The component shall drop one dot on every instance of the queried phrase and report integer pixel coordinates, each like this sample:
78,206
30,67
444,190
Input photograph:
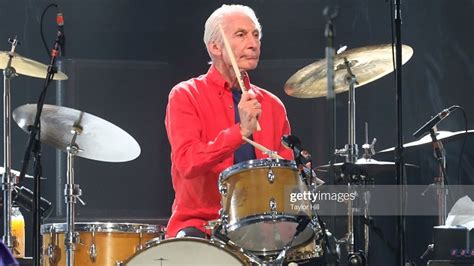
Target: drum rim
104,227
213,241
256,163
295,254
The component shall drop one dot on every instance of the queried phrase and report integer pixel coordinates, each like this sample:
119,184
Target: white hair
211,28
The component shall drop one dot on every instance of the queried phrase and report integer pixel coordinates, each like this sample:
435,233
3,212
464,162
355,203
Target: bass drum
187,251
99,243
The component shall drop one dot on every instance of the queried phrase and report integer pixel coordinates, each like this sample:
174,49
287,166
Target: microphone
23,197
61,36
434,121
303,221
294,143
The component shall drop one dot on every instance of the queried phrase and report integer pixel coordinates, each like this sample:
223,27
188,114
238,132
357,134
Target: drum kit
256,225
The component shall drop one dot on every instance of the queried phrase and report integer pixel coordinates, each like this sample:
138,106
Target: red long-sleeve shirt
203,136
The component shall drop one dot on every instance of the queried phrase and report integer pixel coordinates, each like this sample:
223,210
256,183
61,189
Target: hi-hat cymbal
440,135
368,167
367,64
99,140
28,67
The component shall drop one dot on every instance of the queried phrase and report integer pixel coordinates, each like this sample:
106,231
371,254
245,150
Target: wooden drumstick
262,148
238,74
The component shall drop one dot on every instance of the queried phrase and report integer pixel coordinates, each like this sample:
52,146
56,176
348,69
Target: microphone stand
35,146
399,160
439,183
331,92
329,34
441,187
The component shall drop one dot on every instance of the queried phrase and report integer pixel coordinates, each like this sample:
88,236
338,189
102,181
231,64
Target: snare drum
99,243
187,251
256,211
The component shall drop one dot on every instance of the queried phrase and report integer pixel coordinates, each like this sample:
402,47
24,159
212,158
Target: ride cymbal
366,63
99,140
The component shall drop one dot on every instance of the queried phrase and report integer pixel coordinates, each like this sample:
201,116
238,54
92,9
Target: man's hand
249,111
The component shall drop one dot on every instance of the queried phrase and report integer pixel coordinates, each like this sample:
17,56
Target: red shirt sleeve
190,151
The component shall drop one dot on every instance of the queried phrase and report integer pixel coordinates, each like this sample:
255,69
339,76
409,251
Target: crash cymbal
367,64
100,140
28,67
368,167
440,135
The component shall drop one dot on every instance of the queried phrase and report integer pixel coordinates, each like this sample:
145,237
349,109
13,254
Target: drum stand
71,193
7,182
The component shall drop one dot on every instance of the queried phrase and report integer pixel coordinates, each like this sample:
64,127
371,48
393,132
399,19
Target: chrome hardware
140,238
224,216
270,175
53,252
273,208
223,188
93,252
93,248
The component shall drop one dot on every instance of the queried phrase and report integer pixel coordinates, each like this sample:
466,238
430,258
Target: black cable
41,28
463,145
392,34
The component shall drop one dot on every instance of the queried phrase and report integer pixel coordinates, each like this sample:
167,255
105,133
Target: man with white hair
208,116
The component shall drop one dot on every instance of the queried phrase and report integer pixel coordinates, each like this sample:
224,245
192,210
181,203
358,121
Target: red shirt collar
215,77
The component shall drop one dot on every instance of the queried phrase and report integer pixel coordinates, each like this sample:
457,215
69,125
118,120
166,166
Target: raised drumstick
240,79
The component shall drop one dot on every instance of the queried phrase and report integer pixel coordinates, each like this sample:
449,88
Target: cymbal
28,67
440,135
99,140
369,167
367,64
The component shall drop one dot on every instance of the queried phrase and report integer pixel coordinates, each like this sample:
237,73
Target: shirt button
230,106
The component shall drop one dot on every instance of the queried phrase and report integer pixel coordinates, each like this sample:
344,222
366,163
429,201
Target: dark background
124,56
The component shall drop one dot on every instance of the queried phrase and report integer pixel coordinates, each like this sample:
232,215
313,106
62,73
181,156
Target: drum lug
270,175
93,247
140,238
52,252
273,208
93,252
223,189
224,217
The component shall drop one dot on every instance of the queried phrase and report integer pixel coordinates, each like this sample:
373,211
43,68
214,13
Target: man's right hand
249,111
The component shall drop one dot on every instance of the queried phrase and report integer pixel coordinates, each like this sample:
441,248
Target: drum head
186,251
266,237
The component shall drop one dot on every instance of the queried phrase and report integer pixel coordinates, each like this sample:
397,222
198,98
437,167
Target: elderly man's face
244,39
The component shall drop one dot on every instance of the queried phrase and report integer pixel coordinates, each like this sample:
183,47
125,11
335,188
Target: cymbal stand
7,182
350,151
71,193
369,151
